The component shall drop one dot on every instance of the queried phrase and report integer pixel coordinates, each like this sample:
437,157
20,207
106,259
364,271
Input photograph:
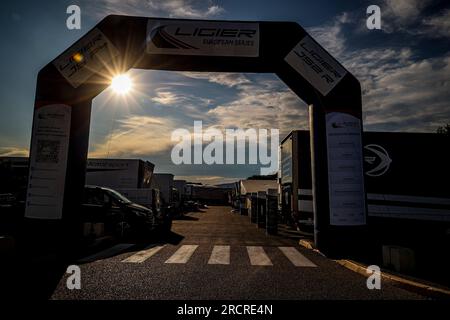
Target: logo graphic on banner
48,161
345,170
86,57
164,40
203,38
320,69
378,159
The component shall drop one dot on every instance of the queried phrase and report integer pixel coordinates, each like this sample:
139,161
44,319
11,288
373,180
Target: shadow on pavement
190,218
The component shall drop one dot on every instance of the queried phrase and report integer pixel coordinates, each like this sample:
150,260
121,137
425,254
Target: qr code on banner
48,151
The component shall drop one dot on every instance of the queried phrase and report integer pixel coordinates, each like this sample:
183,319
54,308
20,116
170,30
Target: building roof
250,186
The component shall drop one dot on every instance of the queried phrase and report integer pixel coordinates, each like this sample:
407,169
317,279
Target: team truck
130,177
119,173
407,179
406,176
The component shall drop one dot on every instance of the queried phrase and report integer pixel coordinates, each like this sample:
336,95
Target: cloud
438,25
13,152
403,94
188,104
262,104
405,11
414,17
166,8
330,36
226,79
186,8
167,97
400,92
136,136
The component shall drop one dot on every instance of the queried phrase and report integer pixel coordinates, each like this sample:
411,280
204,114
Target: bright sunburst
121,84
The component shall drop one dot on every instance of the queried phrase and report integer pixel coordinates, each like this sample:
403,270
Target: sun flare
121,84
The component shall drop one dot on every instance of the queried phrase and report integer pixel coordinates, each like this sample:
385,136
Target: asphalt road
216,254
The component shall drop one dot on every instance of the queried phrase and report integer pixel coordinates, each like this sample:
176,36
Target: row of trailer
406,181
406,178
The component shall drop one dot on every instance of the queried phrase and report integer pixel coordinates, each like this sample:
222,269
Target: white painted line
183,254
220,255
143,255
258,256
296,257
114,250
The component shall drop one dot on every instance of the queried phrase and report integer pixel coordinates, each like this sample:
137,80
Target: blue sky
404,70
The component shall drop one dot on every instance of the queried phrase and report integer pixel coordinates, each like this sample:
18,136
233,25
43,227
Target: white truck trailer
130,177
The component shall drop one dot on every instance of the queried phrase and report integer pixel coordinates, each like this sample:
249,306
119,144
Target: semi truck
119,173
130,177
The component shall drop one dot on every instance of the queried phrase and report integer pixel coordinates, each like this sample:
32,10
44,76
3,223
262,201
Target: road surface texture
216,254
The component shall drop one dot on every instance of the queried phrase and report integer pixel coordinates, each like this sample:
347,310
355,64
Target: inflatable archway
67,85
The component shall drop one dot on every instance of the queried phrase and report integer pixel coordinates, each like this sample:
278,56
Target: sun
121,84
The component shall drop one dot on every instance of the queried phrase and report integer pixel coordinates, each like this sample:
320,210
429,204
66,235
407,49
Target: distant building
211,195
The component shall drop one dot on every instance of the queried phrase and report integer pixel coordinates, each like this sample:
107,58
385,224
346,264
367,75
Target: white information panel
48,162
345,170
316,65
203,38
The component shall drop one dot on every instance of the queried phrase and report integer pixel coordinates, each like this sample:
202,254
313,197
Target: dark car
121,217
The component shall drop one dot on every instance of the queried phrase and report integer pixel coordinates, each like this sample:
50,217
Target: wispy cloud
170,96
263,104
407,11
136,136
438,25
186,8
13,152
410,16
226,79
167,97
166,8
330,36
400,91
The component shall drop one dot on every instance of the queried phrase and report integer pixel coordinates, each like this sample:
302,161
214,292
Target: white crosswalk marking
258,256
143,255
220,255
296,257
183,254
107,253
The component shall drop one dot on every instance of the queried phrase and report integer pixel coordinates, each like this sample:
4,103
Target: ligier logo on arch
163,39
378,160
203,38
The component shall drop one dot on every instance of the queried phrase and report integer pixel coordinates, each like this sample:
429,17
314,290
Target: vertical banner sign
48,161
316,65
345,170
90,55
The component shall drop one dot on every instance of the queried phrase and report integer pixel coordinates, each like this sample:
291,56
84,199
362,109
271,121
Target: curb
309,244
429,290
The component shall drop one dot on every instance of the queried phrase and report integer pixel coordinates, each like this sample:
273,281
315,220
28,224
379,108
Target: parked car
119,216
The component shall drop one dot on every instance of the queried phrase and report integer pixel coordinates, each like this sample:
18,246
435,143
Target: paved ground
216,254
